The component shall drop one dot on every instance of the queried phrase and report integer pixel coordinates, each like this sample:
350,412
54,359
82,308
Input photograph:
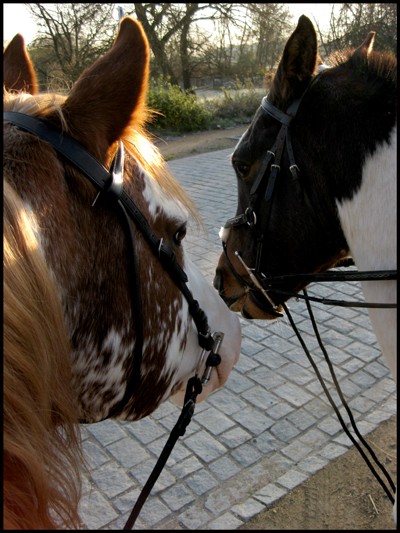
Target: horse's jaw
219,321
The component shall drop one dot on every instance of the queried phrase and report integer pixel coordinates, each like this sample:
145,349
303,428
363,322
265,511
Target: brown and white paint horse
320,188
69,328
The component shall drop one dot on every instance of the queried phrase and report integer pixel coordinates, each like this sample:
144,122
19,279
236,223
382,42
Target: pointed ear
299,61
111,94
18,71
363,51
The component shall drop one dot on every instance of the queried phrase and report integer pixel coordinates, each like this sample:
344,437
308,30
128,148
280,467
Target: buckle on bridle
251,217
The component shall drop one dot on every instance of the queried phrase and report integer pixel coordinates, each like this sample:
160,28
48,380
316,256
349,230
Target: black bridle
110,188
257,215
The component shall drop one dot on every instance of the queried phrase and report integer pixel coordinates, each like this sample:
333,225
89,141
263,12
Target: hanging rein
109,185
261,284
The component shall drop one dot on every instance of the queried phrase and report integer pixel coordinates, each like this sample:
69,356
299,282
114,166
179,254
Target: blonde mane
41,455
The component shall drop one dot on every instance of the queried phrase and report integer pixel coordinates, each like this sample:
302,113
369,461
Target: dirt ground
174,147
345,494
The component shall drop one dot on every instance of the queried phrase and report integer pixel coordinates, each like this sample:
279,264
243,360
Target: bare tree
354,21
173,25
73,36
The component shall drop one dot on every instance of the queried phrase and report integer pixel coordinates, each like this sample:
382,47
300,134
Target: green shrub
176,110
236,105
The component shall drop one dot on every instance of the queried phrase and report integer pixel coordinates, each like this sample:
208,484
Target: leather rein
109,186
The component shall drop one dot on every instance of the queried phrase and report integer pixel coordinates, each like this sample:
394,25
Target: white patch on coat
224,234
369,222
157,199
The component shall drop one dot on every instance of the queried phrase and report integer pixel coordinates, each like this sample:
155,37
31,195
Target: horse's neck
368,219
369,223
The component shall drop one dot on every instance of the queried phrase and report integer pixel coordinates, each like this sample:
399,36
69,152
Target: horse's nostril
217,282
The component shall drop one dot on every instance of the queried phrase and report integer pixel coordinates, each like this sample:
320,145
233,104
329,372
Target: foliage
176,110
237,104
183,111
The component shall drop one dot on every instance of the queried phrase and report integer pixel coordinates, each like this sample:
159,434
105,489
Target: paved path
267,431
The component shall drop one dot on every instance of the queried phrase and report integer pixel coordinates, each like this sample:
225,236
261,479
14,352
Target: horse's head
302,155
108,273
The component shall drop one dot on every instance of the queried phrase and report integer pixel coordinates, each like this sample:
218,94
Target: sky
18,20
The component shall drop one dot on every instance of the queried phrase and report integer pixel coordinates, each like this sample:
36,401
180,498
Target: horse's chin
250,307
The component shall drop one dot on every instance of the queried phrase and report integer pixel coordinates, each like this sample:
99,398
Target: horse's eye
241,169
180,234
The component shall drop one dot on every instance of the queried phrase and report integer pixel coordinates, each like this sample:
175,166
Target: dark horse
104,313
316,174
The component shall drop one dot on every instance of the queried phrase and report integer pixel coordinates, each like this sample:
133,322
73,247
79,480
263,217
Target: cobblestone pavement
268,430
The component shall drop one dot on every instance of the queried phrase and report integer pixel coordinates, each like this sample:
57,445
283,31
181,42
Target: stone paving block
280,410
177,496
292,479
284,430
266,442
248,509
142,472
145,430
246,454
214,421
261,398
245,363
186,467
205,446
296,450
94,454
270,494
226,401
194,517
106,432
238,383
96,511
267,378
332,451
296,373
153,511
235,437
224,468
253,420
226,522
271,359
128,452
293,394
312,464
302,420
112,479
201,482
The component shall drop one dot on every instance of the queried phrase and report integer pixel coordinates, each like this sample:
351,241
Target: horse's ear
110,94
18,71
299,60
363,51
